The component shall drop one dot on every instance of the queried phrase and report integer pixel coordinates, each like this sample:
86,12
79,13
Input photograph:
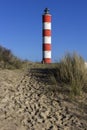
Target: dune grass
8,60
71,73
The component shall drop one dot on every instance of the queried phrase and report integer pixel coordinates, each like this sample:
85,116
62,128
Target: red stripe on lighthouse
46,32
47,47
47,18
47,60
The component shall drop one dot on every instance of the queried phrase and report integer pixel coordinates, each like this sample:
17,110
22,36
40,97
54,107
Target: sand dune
27,103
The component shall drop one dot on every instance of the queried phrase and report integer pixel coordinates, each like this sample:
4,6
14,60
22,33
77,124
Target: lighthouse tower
46,36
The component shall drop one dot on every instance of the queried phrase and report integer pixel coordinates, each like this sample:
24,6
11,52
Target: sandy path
26,103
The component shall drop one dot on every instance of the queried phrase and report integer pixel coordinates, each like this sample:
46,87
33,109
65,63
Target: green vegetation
71,74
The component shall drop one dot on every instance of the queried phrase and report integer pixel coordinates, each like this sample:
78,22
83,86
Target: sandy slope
27,102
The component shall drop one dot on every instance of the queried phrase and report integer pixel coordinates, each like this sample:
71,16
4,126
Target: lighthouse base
46,60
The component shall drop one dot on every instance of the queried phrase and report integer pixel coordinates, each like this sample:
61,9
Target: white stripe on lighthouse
47,39
47,25
47,54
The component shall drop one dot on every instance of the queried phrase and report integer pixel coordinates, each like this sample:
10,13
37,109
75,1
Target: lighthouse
46,37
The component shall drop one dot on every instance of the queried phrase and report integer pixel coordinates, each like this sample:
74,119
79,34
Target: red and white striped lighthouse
46,35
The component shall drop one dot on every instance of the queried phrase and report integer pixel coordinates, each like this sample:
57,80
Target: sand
27,102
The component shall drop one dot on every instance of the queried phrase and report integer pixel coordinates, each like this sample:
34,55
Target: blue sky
21,27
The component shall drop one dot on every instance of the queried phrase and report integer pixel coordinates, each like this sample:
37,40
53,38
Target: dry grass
8,60
71,72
